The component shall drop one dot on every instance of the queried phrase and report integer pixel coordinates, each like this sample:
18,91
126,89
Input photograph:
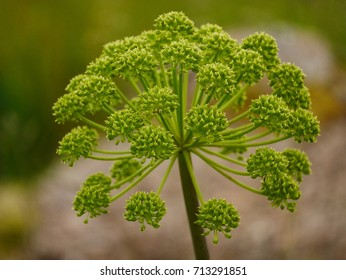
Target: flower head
216,79
176,23
135,63
97,90
206,123
216,44
298,163
304,126
86,94
287,80
249,65
123,123
217,215
266,161
93,198
265,45
182,52
79,142
158,100
145,207
270,111
152,142
281,190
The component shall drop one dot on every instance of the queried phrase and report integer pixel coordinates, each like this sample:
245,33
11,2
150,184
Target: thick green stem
191,205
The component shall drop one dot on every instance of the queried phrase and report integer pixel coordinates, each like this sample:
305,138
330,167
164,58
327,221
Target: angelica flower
123,123
176,92
265,45
206,123
152,142
218,215
272,112
79,142
266,161
158,101
145,207
216,79
282,190
287,80
298,163
93,198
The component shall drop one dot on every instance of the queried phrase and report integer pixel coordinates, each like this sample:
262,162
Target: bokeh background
45,43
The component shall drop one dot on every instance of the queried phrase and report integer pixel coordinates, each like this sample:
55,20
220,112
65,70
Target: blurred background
46,43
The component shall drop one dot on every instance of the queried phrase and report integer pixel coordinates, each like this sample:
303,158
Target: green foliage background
45,43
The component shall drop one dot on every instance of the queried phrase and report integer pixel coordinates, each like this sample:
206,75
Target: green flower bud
218,215
304,126
272,112
69,107
265,45
135,63
96,89
102,66
281,190
287,80
249,65
93,198
266,161
79,142
176,23
216,44
298,163
206,123
145,207
124,168
182,52
116,48
158,101
152,142
216,79
123,123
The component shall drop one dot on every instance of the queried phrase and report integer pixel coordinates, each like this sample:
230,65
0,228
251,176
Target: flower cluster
123,123
206,123
145,207
152,142
79,142
176,92
216,79
280,173
94,197
217,215
158,101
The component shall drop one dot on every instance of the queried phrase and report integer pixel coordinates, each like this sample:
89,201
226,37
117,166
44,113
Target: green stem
239,117
107,152
227,158
196,96
229,177
191,205
134,183
168,171
135,86
93,124
245,145
117,185
124,98
108,158
235,97
218,165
